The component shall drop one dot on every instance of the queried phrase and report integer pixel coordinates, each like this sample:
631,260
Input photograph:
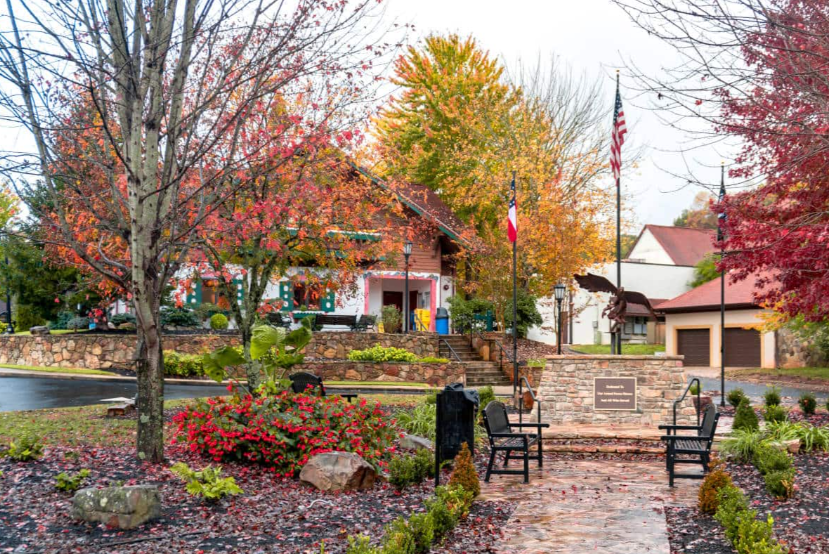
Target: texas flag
512,223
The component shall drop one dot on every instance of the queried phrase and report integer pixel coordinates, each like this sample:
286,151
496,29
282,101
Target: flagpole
720,237
618,235
515,300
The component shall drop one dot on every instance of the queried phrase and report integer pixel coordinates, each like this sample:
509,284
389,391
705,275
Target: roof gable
707,296
684,245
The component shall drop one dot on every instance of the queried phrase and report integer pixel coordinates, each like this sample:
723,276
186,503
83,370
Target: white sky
594,37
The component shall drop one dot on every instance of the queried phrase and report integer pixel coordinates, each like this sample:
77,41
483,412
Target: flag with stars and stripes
618,136
512,220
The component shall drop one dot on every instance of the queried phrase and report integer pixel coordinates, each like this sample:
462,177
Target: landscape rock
338,471
413,442
122,507
40,330
793,446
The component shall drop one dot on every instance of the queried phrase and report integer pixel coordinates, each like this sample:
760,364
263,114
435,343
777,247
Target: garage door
742,348
694,344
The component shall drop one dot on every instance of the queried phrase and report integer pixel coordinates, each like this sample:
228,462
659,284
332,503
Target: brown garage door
694,344
742,348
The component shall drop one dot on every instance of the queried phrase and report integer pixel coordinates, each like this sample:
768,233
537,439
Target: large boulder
338,471
122,507
413,442
40,330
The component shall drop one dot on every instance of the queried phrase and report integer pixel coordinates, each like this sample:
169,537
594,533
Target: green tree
699,215
528,315
705,270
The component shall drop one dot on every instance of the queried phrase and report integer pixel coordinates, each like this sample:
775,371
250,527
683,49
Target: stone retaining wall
566,390
436,375
793,351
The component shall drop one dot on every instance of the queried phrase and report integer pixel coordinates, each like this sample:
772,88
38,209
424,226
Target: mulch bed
691,532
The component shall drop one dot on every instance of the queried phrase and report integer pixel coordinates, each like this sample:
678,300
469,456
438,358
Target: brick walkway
589,506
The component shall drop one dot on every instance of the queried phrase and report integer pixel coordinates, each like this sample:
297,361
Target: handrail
521,383
684,394
452,350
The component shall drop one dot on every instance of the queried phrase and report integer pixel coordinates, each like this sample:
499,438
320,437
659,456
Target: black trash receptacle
455,423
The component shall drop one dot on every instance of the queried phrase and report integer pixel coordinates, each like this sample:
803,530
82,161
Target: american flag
512,219
618,136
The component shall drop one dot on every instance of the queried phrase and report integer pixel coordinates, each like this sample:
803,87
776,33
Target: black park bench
302,380
691,448
278,319
502,438
334,320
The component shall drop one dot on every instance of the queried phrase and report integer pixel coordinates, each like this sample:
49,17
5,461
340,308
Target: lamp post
407,251
559,290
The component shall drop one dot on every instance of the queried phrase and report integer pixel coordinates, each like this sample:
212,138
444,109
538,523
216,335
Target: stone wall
566,390
333,345
436,375
793,351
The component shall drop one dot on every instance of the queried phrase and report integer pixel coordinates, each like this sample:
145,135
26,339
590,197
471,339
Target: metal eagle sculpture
617,306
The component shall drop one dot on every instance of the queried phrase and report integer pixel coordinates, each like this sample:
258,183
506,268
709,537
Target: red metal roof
684,245
704,297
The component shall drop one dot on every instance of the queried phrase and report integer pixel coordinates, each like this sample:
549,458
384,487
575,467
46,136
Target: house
660,265
431,276
692,326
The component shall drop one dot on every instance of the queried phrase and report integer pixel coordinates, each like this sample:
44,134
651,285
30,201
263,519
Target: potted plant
700,402
392,319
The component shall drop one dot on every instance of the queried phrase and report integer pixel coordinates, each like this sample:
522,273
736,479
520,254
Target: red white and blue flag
617,138
512,220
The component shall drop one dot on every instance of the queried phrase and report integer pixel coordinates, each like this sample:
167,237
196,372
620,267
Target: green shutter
286,291
194,297
240,291
328,302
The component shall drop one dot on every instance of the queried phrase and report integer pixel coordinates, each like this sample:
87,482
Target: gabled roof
426,203
684,245
706,297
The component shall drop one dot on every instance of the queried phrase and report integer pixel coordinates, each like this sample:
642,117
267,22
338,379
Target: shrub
26,317
361,545
732,507
420,525
486,395
420,421
735,397
694,389
527,312
432,396
182,365
408,470
392,319
782,431
457,499
463,313
775,414
78,323
464,473
399,538
206,483
24,449
745,418
283,431
179,317
714,481
206,310
780,484
813,438
443,519
808,403
219,322
769,458
741,444
120,319
772,396
70,483
379,353
433,360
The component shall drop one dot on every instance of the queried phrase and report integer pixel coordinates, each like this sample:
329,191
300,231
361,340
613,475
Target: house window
308,296
636,326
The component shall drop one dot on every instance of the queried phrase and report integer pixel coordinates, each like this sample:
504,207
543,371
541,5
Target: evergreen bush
464,474
219,322
735,396
745,418
808,403
772,396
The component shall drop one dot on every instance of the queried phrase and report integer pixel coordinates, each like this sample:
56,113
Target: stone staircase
479,373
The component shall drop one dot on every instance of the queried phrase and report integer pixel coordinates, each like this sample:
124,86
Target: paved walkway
589,506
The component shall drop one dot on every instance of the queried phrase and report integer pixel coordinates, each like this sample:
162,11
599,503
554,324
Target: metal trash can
442,321
456,411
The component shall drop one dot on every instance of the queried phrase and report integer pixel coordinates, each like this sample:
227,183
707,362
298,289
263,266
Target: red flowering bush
283,431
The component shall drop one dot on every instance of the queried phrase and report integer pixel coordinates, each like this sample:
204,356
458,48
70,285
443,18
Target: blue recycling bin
442,321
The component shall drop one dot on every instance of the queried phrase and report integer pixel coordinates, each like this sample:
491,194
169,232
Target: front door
393,298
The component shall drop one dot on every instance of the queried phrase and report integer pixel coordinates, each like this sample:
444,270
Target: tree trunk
150,370
251,367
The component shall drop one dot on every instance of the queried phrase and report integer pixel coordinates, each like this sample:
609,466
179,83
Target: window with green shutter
240,290
328,303
286,293
194,297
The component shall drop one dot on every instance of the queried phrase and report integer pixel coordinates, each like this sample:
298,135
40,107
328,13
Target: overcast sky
596,37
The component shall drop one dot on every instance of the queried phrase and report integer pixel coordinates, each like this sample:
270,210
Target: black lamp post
407,251
559,290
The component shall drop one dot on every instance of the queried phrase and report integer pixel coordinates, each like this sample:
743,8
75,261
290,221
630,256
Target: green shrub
775,414
120,319
423,532
457,499
772,396
361,545
179,317
399,538
432,396
780,484
392,319
206,483
782,431
735,397
463,313
745,418
714,481
78,323
694,389
486,395
770,457
206,310
24,449
433,360
813,438
70,483
808,403
408,470
443,519
420,421
379,353
464,474
219,322
527,312
26,317
732,506
741,444
183,365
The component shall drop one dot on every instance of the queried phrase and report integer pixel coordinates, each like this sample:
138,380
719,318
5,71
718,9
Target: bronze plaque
614,393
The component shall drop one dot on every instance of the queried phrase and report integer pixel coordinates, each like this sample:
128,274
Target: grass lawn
76,370
86,426
377,383
632,349
811,373
54,332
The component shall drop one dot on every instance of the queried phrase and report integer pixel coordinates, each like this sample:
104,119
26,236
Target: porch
388,289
